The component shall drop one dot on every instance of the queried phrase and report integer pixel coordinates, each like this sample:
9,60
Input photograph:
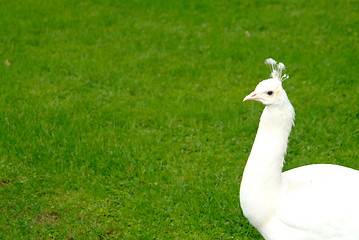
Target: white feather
270,61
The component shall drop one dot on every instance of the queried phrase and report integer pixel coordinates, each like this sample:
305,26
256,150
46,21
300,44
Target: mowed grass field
125,120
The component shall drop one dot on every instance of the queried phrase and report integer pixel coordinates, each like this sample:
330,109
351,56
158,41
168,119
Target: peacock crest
277,69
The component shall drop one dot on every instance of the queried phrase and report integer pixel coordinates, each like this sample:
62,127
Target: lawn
125,120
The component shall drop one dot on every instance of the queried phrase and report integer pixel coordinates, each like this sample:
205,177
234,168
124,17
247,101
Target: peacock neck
262,177
270,144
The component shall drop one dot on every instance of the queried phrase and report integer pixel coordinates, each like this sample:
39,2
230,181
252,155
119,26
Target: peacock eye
270,92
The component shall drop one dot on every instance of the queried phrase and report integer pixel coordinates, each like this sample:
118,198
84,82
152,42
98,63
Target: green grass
124,119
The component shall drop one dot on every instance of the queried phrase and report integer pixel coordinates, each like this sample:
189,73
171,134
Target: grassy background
124,119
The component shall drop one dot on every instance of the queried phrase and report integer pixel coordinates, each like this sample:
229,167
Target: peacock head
270,91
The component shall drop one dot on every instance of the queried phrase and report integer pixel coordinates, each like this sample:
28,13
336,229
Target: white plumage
314,202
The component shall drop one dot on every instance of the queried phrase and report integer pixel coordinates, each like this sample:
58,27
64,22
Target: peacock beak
251,96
